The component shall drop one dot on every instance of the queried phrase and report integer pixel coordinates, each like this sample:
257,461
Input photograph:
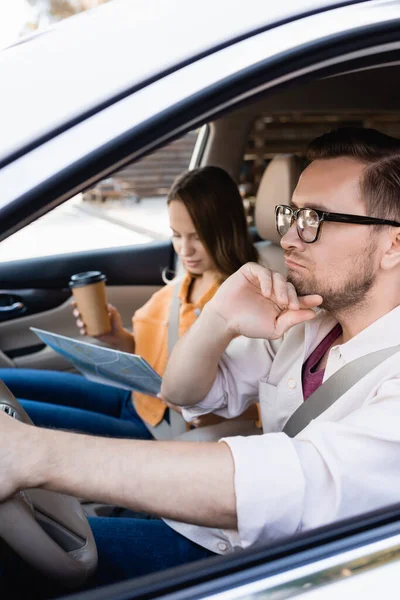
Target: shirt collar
184,291
317,329
382,333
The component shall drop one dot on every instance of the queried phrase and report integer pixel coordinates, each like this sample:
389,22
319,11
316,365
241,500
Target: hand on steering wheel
47,529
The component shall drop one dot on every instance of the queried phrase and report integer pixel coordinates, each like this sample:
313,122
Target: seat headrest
276,187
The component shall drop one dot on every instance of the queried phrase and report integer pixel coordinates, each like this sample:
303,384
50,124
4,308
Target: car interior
260,143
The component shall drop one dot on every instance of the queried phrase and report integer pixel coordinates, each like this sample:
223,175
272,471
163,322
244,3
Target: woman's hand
119,337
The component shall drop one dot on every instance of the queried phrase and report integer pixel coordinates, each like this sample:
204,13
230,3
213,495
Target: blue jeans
126,547
72,402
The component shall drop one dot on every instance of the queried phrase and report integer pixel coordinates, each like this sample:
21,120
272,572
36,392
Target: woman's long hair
215,206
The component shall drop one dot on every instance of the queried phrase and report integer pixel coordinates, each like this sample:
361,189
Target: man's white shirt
345,462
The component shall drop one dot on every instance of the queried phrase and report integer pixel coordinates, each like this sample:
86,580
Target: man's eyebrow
314,205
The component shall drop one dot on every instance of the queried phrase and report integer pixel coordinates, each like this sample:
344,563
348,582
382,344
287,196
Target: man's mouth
291,263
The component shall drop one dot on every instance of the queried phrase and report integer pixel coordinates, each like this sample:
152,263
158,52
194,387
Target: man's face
342,265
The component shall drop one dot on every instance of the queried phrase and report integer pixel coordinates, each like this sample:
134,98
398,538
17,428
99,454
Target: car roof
86,61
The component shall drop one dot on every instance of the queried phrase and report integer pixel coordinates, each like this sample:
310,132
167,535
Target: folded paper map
104,365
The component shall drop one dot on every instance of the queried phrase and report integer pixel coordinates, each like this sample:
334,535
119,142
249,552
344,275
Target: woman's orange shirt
150,328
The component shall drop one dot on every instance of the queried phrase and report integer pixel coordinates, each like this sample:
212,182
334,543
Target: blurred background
19,18
125,209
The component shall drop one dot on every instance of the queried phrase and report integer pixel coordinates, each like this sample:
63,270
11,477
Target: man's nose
291,239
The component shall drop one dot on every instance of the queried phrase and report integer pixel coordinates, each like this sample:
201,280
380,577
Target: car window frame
54,194
62,180
256,573
67,34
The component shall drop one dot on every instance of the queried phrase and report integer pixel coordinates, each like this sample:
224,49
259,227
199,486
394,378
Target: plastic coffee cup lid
86,278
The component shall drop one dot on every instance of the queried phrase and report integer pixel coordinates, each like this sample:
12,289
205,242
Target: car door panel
21,348
21,303
131,265
41,285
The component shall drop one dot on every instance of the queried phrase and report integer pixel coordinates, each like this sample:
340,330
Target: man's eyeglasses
309,221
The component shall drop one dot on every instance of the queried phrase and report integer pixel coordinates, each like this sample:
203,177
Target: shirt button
292,383
222,546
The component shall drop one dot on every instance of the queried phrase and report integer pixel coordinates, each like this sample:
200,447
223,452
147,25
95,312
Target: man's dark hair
380,181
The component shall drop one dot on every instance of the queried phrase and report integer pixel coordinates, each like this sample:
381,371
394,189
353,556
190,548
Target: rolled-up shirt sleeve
286,485
269,488
242,365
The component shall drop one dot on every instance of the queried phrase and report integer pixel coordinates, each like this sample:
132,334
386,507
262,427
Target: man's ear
391,258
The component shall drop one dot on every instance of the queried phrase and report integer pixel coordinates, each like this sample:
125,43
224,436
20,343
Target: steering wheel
47,529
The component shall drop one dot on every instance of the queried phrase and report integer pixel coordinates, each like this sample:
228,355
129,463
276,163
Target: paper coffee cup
89,291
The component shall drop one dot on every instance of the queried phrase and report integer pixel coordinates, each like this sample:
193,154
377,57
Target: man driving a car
270,338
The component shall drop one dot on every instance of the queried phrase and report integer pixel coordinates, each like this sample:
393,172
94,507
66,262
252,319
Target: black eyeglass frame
329,216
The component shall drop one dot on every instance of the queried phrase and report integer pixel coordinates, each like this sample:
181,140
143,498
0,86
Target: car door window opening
256,116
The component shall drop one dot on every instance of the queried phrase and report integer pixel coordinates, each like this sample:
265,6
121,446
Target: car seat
276,187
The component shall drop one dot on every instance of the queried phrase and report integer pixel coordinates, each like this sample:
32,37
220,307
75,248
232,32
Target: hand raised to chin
259,303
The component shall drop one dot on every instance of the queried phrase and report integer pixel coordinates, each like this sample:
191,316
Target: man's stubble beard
350,293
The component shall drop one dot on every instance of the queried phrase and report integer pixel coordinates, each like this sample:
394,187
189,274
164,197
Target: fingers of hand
266,283
310,301
79,323
81,326
273,285
285,293
115,317
280,287
112,311
290,318
294,303
259,276
265,278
